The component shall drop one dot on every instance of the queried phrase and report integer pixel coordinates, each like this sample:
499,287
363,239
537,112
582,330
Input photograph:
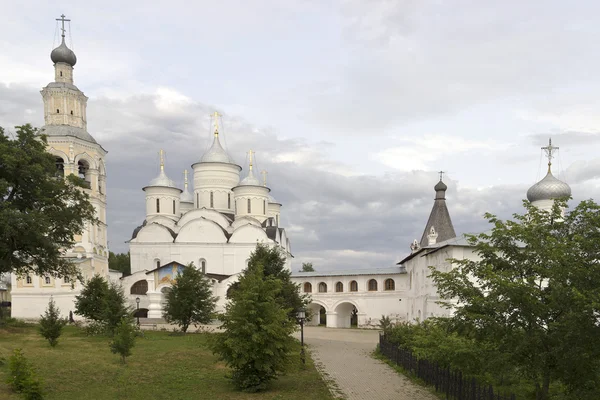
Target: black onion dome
63,54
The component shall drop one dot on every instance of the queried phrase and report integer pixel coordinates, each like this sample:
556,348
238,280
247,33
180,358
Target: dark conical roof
439,218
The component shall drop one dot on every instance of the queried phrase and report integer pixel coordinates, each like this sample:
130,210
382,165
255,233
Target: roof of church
548,188
352,272
439,218
67,130
63,54
460,241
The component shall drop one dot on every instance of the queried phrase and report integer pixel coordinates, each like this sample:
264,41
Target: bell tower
77,152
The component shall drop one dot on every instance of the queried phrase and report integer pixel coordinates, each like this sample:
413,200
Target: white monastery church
217,222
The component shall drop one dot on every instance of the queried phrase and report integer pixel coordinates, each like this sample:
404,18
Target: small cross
549,151
441,175
264,174
250,154
62,19
216,115
185,173
162,159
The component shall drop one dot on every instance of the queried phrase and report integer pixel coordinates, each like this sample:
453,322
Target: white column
155,306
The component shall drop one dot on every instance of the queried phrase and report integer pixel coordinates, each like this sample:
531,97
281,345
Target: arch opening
347,315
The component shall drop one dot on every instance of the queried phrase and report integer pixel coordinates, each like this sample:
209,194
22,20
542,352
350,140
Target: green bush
22,378
51,324
123,339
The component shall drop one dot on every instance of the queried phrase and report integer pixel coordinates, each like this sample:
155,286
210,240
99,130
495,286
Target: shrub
22,378
51,324
123,339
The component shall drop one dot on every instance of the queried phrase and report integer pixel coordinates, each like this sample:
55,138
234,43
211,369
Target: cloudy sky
352,106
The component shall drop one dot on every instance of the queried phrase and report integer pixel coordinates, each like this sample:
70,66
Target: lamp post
137,301
301,316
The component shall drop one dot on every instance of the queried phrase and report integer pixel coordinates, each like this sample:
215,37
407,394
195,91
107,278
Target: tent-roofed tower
543,193
439,225
76,151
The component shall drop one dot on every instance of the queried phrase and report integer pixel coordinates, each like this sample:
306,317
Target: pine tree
124,339
190,300
51,324
257,336
90,302
115,308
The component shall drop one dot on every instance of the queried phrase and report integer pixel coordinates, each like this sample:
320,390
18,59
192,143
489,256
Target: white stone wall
218,178
259,202
166,197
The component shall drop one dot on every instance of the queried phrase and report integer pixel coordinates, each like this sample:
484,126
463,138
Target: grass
161,367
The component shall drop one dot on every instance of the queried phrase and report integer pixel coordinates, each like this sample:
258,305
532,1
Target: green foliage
22,378
256,341
307,267
120,262
39,213
90,302
103,303
51,324
534,295
123,339
385,324
190,300
272,262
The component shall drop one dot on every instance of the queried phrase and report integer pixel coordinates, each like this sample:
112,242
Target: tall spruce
190,300
115,308
39,213
534,293
51,324
90,302
256,341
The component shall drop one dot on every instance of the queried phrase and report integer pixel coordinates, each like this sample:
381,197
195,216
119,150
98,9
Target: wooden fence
451,383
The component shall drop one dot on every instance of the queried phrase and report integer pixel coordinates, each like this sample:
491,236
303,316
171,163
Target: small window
60,73
47,280
197,201
249,206
57,111
203,266
372,285
339,287
173,206
157,205
322,287
66,279
229,201
28,280
277,219
71,112
390,284
307,287
353,286
212,200
157,263
265,207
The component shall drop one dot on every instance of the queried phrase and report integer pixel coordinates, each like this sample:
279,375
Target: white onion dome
216,153
186,196
549,188
63,54
250,180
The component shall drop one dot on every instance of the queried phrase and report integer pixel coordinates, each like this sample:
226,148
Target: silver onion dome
63,54
548,188
250,180
186,197
162,180
216,153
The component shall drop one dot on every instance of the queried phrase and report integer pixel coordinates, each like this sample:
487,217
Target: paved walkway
344,357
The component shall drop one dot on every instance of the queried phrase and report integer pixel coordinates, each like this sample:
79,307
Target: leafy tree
124,339
257,340
272,261
115,308
307,267
22,378
51,324
90,302
120,262
39,214
190,300
534,293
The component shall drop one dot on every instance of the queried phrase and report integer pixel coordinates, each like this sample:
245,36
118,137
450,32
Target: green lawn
161,367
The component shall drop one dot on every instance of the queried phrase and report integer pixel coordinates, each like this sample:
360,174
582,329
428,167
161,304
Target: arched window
322,287
372,285
203,265
265,207
60,166
83,172
47,280
277,219
57,111
339,287
140,287
173,206
157,205
66,279
307,287
229,201
249,206
28,280
197,201
389,284
353,286
212,200
157,263
60,73
71,112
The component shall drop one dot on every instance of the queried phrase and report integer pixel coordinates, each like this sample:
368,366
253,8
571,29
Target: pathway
344,356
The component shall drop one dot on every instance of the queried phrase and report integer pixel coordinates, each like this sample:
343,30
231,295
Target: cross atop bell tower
63,20
550,150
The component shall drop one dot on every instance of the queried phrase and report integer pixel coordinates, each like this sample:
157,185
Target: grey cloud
567,138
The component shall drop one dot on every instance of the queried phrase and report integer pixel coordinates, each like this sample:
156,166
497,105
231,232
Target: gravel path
344,357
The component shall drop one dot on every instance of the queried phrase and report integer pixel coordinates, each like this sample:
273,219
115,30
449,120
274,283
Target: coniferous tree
51,324
123,339
90,302
115,308
190,300
257,337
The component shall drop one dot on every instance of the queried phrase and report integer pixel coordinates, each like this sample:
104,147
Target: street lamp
137,301
301,316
